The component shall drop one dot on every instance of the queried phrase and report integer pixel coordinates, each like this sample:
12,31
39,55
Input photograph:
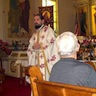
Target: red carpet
11,87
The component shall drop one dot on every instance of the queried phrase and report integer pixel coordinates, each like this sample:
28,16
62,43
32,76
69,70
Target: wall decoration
93,15
83,20
47,12
18,19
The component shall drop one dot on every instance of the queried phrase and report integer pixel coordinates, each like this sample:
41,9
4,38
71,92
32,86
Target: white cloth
47,39
23,63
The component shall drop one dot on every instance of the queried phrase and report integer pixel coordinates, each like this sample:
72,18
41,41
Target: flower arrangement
88,43
4,47
87,46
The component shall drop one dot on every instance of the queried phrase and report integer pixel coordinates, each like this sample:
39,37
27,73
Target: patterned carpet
11,87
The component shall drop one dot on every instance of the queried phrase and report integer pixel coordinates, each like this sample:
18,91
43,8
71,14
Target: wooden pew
92,64
46,88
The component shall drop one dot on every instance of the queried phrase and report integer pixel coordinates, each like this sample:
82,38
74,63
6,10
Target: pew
46,88
92,64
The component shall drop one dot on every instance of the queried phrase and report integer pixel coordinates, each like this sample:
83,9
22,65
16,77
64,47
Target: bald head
67,44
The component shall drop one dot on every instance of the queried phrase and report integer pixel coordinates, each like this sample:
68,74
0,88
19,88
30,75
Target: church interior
17,27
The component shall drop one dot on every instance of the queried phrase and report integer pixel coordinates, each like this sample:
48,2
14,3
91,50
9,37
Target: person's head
38,20
67,44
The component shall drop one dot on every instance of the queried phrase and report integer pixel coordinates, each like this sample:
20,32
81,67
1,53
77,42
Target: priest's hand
36,46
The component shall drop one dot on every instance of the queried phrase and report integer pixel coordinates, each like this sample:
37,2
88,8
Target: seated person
69,70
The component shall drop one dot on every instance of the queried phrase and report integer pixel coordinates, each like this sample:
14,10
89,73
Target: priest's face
38,22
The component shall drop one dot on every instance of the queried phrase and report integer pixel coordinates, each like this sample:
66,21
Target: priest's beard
37,26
